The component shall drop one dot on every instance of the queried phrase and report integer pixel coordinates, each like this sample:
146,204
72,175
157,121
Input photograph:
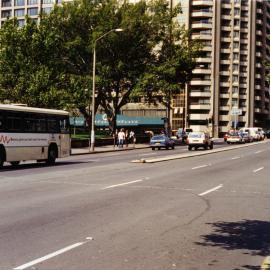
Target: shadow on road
40,165
253,236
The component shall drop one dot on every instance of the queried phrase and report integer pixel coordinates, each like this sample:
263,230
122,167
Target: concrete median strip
189,154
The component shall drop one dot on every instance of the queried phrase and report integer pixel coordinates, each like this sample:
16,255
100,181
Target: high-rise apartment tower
230,74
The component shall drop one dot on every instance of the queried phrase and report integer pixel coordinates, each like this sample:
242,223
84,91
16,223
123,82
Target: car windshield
161,137
195,135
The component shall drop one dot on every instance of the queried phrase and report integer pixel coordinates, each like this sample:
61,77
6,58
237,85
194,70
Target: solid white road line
211,190
123,184
49,256
199,167
257,152
235,158
258,169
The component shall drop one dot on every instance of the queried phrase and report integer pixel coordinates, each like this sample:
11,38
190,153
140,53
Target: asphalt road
102,212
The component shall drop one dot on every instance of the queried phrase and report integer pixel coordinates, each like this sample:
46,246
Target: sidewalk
107,148
111,148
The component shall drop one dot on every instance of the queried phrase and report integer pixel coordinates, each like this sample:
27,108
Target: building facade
21,8
230,74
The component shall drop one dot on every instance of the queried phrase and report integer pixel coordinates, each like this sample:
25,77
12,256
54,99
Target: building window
6,3
6,13
48,1
19,3
234,90
236,22
236,34
235,56
19,12
236,11
32,11
235,78
46,10
235,67
235,45
32,2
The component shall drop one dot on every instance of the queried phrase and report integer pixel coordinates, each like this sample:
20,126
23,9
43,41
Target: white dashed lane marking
259,169
211,190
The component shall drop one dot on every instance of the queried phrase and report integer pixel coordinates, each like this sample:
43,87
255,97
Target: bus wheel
14,163
52,155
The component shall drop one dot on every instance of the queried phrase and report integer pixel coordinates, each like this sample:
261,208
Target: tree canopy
50,64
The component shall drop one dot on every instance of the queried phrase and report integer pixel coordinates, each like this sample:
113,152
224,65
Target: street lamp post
92,145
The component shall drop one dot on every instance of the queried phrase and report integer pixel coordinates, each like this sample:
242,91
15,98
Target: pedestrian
121,138
126,138
132,137
115,138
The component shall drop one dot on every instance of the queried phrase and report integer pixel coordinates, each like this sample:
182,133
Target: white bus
28,133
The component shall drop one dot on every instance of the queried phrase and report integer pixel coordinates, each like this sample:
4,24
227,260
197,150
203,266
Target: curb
182,156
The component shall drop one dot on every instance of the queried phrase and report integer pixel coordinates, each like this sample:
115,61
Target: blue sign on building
121,121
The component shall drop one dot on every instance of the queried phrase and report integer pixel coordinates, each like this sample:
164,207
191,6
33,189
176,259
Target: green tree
175,57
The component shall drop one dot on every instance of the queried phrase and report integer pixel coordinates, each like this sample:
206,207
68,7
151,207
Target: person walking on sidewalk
121,138
132,138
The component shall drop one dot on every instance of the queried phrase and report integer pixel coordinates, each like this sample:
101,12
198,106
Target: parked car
235,137
161,141
255,132
199,139
267,134
247,138
182,134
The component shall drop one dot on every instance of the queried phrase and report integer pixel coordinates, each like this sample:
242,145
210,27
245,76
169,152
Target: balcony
258,87
202,36
224,95
198,116
200,107
200,82
200,94
235,95
224,84
225,50
243,96
259,32
226,28
201,71
203,14
258,76
204,60
224,73
258,98
207,49
226,39
224,118
201,26
202,3
224,108
226,17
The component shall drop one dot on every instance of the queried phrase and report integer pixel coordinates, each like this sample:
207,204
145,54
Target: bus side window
29,124
53,125
64,125
14,122
1,121
41,124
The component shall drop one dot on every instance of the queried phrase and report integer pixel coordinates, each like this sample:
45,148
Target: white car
199,139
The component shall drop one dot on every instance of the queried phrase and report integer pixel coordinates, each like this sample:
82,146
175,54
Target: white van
256,133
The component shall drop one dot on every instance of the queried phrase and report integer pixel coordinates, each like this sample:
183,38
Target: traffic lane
30,167
58,221
169,189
